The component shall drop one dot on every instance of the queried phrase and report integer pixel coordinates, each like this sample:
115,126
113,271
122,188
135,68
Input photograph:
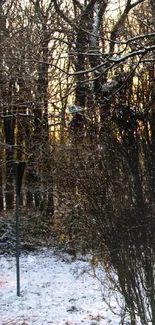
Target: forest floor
55,289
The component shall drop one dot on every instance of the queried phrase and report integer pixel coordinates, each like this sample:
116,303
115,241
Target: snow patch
54,290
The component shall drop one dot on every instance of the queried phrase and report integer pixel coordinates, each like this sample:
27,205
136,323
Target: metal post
19,171
17,245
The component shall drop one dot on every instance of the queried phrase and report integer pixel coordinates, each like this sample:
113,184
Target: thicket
89,182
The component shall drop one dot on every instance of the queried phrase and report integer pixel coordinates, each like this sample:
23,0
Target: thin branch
62,15
134,53
127,78
121,21
115,61
135,38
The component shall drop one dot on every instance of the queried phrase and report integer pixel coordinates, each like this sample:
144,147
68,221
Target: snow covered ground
54,290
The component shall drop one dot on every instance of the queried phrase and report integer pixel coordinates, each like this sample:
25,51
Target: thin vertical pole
19,171
17,242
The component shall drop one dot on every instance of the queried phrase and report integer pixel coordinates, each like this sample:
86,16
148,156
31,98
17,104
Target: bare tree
111,201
